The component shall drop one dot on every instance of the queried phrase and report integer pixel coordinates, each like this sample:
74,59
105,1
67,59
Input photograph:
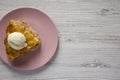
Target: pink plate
46,30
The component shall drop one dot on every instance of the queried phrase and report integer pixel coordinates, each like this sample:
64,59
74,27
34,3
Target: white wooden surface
89,40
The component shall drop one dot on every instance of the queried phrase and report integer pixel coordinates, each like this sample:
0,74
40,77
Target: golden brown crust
32,38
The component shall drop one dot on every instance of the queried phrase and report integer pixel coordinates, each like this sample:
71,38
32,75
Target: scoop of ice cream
17,40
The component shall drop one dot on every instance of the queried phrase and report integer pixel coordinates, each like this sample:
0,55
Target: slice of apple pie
20,38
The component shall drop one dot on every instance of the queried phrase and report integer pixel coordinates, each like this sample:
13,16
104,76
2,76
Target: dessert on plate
20,38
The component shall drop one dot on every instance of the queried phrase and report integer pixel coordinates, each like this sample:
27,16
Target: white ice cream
17,40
